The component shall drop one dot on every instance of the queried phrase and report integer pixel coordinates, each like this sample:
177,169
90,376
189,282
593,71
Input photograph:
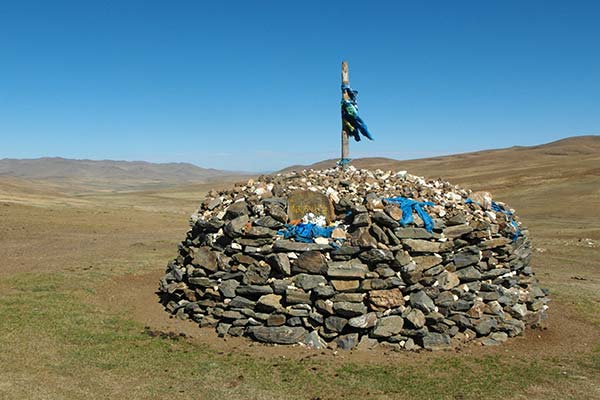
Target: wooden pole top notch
345,73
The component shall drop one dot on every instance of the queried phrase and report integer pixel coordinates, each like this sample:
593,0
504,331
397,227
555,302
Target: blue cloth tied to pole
408,206
305,233
497,208
353,123
343,161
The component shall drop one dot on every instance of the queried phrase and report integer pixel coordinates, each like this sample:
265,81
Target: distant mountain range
578,154
63,169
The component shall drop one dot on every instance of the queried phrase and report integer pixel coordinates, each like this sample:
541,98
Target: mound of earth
346,258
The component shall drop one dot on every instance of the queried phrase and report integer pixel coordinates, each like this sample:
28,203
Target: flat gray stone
436,341
456,231
412,233
363,321
347,269
227,288
348,309
290,246
309,281
388,326
468,274
253,291
493,243
426,246
278,334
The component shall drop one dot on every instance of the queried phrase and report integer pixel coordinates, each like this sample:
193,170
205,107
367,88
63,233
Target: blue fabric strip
408,206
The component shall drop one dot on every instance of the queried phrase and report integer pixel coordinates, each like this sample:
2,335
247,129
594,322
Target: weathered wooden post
345,142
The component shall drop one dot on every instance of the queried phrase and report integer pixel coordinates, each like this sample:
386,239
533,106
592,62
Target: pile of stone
372,281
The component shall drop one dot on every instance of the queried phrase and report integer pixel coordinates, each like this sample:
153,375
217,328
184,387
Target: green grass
50,334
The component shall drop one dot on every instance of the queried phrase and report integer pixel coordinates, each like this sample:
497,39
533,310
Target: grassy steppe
77,272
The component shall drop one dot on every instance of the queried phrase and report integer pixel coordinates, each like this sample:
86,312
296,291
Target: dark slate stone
347,269
362,238
457,219
278,334
277,212
235,227
379,234
245,259
335,323
210,226
421,301
361,220
253,291
383,219
257,274
268,222
323,292
241,302
346,251
280,263
236,210
374,256
467,256
468,274
485,326
260,232
456,231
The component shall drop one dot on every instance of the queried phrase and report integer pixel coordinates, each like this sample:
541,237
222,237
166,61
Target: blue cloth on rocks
305,233
497,208
408,206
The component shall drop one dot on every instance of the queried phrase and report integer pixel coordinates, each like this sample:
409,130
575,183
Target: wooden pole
345,143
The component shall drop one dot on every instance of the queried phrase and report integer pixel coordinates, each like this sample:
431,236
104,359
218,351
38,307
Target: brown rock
205,258
362,238
384,299
310,262
393,211
345,286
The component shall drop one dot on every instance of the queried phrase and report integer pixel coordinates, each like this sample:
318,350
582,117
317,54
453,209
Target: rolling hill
572,156
108,174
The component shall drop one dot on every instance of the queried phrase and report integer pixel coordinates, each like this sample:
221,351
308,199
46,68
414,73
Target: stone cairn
373,281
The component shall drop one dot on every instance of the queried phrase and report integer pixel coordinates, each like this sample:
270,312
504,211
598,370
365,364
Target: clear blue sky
254,85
